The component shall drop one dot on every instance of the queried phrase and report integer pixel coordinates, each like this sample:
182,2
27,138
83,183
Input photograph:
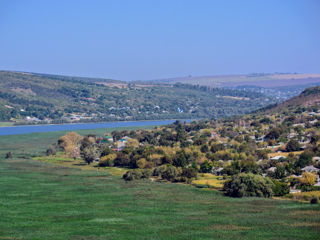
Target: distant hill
31,97
257,79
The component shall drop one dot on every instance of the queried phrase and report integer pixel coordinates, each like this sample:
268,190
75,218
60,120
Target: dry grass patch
209,180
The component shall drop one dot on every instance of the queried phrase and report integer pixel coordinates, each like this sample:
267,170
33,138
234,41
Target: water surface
78,126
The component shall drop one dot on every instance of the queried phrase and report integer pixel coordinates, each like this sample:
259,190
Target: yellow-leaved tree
308,179
71,144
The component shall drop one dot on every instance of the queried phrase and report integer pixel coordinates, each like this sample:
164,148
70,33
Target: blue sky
149,39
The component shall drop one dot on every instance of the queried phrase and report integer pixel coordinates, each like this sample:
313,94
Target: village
282,146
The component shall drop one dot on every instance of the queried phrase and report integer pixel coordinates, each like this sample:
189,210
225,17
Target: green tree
248,185
89,154
206,166
280,188
293,145
304,159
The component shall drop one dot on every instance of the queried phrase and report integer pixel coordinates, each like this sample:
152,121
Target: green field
44,201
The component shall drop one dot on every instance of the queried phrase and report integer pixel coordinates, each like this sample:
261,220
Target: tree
248,185
89,154
189,173
274,134
180,160
116,135
170,173
293,145
70,144
206,166
280,172
308,179
304,159
204,148
280,188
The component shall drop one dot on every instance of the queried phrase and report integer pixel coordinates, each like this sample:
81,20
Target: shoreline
74,123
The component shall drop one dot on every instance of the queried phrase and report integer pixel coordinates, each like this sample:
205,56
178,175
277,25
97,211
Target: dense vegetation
28,97
262,154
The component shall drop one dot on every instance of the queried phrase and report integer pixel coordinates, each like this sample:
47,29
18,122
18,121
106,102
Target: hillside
309,98
32,97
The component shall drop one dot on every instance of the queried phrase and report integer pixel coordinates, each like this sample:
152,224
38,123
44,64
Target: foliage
248,185
308,179
89,154
9,155
206,166
304,159
280,188
293,145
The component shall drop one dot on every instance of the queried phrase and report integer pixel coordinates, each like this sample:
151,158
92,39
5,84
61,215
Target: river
13,130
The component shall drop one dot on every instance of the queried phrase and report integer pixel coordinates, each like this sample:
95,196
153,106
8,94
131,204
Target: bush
189,173
106,163
314,200
170,173
51,151
248,185
9,155
132,175
280,188
137,174
293,145
157,172
206,167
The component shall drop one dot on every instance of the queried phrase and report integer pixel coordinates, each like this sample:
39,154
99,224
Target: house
291,135
295,191
271,169
277,157
299,124
310,169
217,171
316,159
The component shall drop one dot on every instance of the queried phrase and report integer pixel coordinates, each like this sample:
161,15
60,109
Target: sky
156,39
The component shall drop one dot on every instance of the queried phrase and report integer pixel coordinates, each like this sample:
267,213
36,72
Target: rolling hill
32,97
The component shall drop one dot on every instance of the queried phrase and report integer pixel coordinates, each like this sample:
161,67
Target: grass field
6,124
39,200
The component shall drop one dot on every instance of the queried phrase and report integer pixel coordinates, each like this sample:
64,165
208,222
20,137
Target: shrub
51,151
106,163
9,155
304,159
157,172
136,174
132,175
293,145
248,185
314,200
141,163
170,173
280,188
189,173
206,166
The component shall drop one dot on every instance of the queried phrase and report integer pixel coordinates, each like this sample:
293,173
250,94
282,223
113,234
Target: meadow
40,200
